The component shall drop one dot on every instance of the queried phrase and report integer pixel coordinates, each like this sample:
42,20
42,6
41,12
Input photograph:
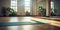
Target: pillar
48,7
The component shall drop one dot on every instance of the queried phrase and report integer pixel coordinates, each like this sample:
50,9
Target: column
48,7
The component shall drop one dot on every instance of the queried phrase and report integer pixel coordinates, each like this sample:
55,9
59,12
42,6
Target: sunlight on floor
13,19
12,27
27,19
27,27
24,27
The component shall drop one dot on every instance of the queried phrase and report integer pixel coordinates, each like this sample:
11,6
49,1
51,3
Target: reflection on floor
23,27
13,19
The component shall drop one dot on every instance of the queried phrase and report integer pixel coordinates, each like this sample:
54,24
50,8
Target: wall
0,6
41,3
20,7
4,3
35,5
57,6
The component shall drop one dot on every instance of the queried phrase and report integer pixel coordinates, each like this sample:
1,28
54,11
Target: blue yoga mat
19,23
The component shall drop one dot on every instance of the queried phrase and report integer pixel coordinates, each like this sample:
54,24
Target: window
14,4
52,4
27,5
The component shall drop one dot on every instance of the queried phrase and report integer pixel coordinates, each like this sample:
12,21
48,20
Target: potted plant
42,11
11,12
27,13
53,12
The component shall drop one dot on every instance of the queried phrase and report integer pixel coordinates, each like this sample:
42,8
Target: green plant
11,11
53,11
42,11
27,13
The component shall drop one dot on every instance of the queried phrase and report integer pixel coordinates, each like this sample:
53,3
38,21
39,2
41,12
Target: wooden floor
55,21
25,27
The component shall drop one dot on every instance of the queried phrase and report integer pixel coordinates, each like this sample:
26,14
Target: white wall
35,5
20,7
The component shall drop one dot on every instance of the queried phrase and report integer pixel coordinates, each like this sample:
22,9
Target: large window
27,5
14,4
52,4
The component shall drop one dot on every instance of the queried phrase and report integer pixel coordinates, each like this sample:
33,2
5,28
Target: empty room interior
29,14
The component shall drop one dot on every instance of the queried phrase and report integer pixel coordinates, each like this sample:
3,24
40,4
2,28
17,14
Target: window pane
14,4
27,0
52,4
13,1
27,5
